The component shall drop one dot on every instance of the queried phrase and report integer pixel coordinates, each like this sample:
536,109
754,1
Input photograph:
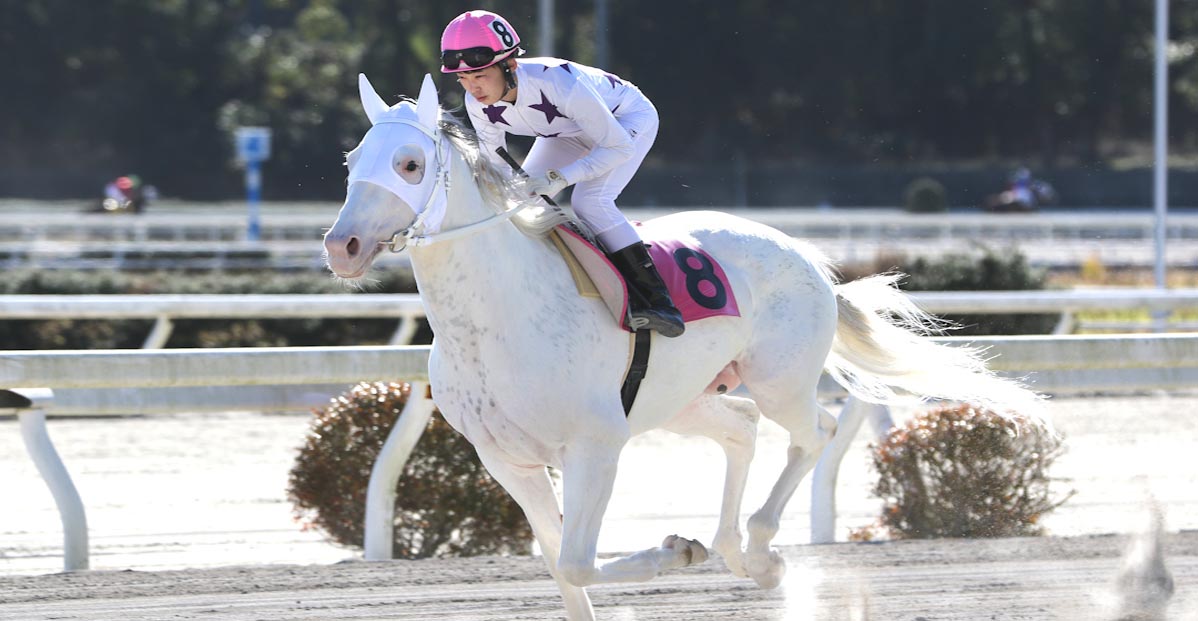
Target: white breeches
594,200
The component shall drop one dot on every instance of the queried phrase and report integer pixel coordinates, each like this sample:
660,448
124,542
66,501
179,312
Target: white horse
530,372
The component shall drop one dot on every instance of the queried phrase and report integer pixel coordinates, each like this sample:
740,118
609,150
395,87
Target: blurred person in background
127,193
1023,193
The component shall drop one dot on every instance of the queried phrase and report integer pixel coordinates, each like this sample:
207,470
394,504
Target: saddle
697,284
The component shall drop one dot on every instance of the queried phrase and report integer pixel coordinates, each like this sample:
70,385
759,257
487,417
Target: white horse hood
384,147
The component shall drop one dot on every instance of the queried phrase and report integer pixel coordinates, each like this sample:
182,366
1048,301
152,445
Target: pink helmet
476,40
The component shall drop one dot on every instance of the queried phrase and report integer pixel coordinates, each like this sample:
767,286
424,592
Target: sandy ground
1011,579
205,494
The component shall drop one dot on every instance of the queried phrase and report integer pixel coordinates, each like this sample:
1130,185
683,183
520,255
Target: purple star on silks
613,79
547,108
565,66
495,114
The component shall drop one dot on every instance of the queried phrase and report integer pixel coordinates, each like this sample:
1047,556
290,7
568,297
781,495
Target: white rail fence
1056,364
301,222
164,309
1068,303
291,234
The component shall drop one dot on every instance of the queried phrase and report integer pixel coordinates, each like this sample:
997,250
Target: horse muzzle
349,256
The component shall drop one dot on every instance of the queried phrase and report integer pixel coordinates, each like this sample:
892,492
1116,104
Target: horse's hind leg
791,403
532,489
732,423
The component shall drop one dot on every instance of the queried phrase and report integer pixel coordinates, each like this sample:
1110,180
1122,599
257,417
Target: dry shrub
446,505
925,195
964,471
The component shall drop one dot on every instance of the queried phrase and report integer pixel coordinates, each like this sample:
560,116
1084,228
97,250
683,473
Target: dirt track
1010,579
205,493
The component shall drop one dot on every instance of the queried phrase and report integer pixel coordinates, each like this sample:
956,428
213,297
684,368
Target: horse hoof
736,566
691,551
767,570
732,554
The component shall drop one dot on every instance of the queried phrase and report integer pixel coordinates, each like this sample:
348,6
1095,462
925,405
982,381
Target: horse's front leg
532,489
589,473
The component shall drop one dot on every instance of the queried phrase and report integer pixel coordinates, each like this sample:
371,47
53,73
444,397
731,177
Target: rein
407,236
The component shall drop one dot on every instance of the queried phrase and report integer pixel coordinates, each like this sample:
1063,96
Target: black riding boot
648,298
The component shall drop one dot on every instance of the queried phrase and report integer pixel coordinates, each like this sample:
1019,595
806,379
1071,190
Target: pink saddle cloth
697,283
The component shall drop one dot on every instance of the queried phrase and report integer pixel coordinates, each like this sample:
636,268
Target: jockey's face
485,85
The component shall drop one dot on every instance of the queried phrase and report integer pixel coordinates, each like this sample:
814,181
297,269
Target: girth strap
636,369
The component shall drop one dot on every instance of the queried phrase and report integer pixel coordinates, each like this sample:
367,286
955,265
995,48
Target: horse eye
408,163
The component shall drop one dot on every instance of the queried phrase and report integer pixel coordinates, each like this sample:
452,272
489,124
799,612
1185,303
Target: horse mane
499,188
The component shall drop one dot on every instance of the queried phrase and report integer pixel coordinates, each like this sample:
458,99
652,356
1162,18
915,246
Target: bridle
409,236
412,235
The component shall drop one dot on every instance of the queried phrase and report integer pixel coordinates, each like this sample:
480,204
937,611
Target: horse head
397,181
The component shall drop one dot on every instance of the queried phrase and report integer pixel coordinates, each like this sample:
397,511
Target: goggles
475,57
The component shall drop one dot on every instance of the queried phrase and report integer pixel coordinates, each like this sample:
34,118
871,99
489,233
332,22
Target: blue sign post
253,148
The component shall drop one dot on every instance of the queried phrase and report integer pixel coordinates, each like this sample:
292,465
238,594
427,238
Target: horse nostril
353,247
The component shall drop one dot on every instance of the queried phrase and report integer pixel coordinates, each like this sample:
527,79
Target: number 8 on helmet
476,40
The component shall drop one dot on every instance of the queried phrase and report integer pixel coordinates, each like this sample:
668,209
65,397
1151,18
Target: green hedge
991,271
925,195
103,334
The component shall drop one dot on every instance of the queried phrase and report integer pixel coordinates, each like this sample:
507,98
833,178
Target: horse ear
371,102
428,109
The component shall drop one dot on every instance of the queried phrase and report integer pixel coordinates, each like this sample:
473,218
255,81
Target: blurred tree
99,89
94,90
294,78
870,80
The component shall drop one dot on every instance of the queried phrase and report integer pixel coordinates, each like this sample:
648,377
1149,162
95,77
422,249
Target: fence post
380,492
823,480
1066,324
405,330
30,405
159,334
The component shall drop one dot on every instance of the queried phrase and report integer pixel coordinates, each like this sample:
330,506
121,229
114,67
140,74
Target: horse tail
881,353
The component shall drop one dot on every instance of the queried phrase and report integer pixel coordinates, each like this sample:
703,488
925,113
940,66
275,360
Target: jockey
119,189
1021,188
593,131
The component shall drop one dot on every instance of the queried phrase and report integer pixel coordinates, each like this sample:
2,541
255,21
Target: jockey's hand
548,184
